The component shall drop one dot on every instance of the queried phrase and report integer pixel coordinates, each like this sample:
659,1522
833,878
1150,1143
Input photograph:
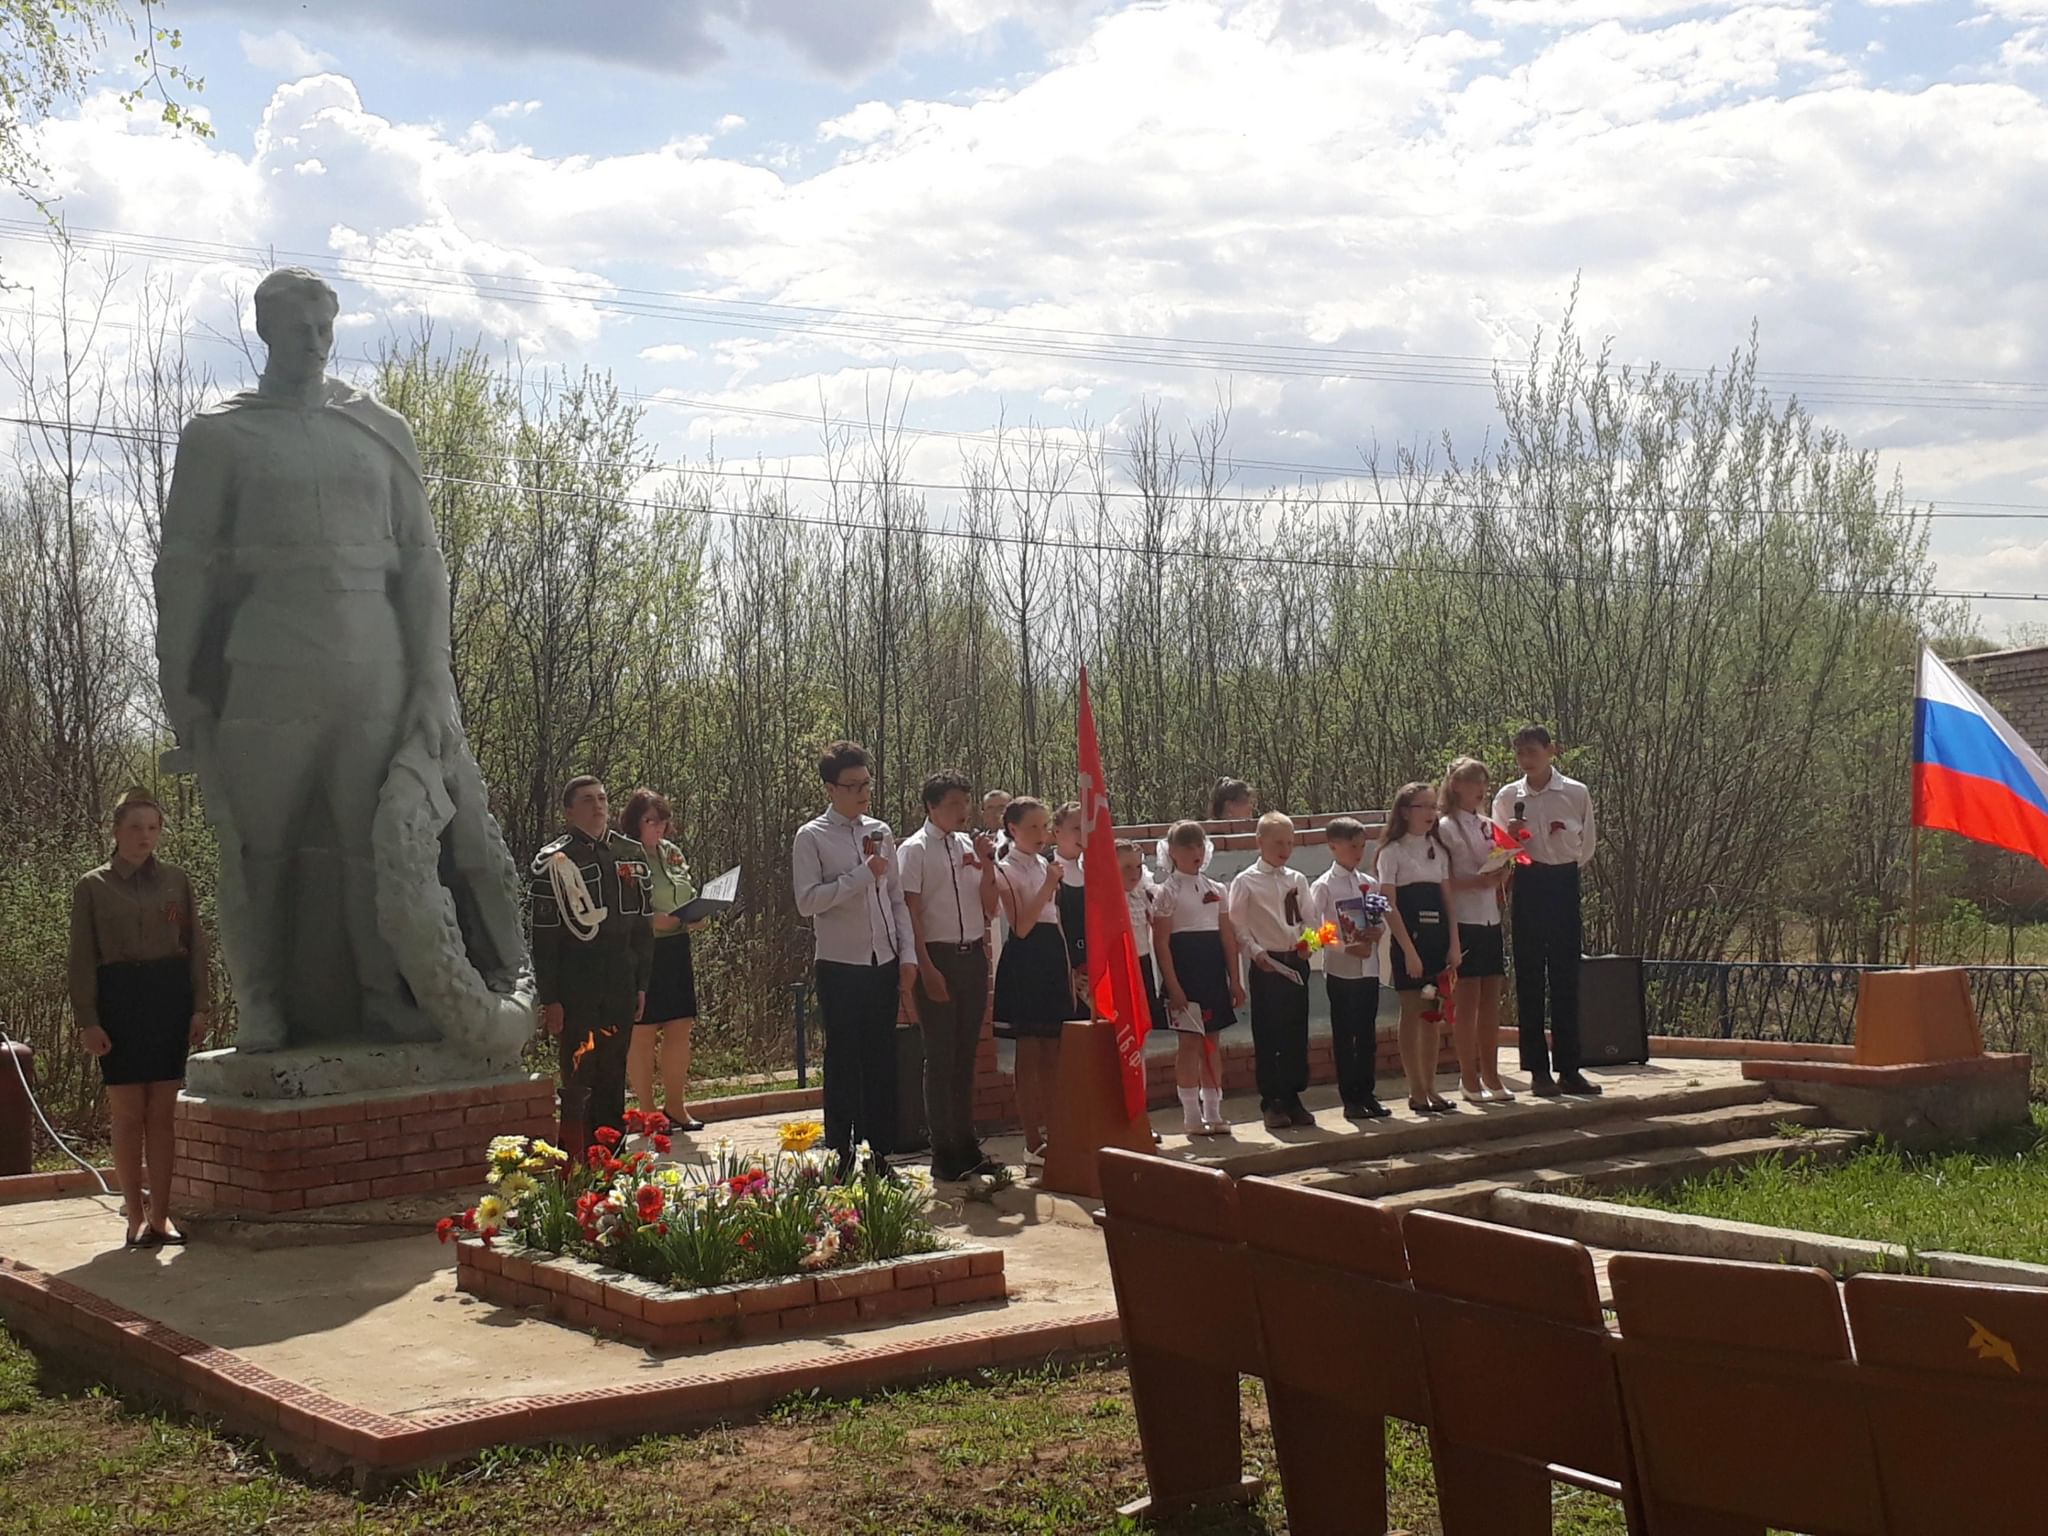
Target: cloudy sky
1333,211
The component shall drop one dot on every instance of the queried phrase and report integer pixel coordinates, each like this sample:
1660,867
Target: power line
846,528
1276,359
1999,511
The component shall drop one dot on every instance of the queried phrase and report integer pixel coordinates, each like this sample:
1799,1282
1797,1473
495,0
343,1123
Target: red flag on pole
1114,980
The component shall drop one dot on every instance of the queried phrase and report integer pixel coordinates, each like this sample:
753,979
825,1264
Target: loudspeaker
1613,1019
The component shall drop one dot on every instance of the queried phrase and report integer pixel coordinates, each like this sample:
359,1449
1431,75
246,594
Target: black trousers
1355,1035
1549,934
952,1035
1280,1031
858,1006
593,1061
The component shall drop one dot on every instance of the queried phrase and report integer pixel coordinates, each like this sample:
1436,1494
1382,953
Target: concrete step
1334,1141
1549,1146
1629,1170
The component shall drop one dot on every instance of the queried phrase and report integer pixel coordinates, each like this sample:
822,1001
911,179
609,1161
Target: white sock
1191,1109
1212,1105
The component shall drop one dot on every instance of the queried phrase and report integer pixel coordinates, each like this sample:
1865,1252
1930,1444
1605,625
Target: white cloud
509,109
668,352
283,54
730,123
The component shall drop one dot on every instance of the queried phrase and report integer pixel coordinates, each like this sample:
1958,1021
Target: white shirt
1413,860
1189,903
1560,817
940,869
1259,907
1469,837
857,916
1139,899
1023,875
1334,886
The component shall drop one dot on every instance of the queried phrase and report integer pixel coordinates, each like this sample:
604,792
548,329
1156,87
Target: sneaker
1575,1083
1543,1085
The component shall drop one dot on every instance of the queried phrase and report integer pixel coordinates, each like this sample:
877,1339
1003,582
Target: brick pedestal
266,1157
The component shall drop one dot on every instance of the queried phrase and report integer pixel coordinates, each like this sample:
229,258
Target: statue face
299,330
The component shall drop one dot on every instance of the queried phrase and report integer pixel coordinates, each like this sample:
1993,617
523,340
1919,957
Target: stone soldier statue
303,647
593,951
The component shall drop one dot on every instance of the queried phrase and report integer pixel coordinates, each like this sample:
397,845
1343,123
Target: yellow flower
801,1135
490,1213
517,1186
552,1154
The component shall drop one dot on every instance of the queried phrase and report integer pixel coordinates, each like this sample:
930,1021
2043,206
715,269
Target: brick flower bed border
324,1434
628,1307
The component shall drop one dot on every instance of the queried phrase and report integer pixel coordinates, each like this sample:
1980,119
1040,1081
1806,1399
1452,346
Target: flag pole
1913,905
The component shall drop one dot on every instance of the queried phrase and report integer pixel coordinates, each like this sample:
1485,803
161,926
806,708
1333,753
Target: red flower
467,1220
613,1167
635,1121
656,1122
747,1241
661,1143
595,1157
661,1229
649,1201
607,1137
443,1227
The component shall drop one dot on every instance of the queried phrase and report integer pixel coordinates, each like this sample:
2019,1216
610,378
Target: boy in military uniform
593,950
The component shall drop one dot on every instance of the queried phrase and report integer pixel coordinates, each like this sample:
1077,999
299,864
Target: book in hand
1187,1019
715,900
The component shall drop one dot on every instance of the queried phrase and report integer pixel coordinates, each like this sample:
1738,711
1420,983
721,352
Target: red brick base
995,1093
301,1154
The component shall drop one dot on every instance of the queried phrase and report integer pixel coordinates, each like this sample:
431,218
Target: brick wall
2017,683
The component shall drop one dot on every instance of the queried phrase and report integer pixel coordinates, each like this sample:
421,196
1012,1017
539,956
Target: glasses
854,786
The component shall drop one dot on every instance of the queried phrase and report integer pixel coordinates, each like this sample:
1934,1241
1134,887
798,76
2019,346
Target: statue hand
431,716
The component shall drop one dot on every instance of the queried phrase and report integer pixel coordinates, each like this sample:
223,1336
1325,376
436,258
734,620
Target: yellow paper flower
553,1154
490,1213
801,1135
517,1186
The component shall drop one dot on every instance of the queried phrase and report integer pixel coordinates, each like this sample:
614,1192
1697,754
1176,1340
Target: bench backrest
1742,1395
1182,1284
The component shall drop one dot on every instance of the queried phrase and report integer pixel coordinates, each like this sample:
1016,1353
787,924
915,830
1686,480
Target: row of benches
1730,1398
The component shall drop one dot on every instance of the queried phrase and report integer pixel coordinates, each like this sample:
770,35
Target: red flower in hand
606,1136
649,1202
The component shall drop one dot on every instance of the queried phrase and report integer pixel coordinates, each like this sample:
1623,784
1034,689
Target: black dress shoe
688,1127
1373,1109
1297,1113
1575,1083
1543,1085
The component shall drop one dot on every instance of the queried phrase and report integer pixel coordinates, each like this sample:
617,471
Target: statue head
295,311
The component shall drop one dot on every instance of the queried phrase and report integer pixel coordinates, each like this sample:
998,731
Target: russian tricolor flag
1972,772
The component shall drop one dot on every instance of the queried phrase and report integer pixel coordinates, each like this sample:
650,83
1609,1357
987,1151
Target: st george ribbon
1114,980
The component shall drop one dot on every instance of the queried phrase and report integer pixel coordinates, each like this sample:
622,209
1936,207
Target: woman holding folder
671,1011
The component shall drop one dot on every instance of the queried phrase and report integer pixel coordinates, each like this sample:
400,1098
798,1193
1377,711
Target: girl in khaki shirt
139,989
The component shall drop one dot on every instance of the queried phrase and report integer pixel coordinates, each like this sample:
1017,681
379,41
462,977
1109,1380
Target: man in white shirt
843,870
1269,906
1552,817
949,887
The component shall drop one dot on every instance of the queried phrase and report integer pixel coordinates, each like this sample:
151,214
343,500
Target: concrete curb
1634,1229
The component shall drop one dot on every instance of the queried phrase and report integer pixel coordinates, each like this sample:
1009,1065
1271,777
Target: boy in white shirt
1552,817
1269,907
1351,967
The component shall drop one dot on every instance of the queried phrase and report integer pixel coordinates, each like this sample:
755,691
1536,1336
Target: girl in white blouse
1413,866
1196,946
1467,832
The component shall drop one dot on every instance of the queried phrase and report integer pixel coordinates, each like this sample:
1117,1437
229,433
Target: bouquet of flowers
1314,940
1507,848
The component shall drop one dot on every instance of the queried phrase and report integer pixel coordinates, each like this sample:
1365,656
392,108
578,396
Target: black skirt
672,989
1155,1000
1034,986
1429,930
146,1009
1073,904
1198,966
1480,951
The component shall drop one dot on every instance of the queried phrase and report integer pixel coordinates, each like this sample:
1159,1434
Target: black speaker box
1613,1019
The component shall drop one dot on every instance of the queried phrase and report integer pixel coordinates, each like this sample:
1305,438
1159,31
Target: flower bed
740,1246
661,1317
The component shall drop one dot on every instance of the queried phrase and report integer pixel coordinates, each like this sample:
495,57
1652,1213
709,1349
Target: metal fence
1816,1004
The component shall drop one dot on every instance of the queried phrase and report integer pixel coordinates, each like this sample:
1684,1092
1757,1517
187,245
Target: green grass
1988,1196
1041,1453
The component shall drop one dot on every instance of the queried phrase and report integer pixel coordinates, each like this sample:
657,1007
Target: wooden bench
1954,1380
1183,1291
1745,1407
1521,1377
1337,1324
